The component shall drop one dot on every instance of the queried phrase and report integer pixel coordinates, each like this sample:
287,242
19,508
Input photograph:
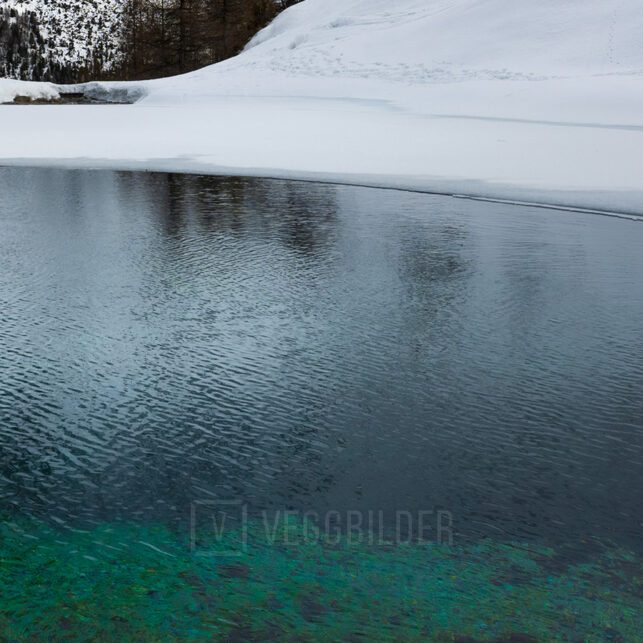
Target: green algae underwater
141,582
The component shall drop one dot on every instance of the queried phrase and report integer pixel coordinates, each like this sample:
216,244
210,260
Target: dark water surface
166,339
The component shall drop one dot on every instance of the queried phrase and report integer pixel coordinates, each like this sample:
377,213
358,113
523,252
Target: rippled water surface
165,339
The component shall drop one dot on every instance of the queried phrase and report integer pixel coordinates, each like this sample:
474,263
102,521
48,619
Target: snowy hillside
541,101
437,40
428,42
71,34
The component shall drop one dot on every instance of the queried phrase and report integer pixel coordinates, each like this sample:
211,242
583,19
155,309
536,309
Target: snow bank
517,99
9,89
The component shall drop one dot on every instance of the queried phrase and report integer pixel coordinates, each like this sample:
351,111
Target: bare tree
174,36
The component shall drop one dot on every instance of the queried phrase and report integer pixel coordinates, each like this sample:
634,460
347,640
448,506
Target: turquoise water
258,410
140,582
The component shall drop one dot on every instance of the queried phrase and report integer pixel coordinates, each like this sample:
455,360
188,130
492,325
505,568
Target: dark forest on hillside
157,38
23,50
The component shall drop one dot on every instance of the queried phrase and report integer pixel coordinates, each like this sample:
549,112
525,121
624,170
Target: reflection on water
169,338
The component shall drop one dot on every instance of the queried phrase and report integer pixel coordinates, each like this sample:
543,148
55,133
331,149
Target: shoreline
398,184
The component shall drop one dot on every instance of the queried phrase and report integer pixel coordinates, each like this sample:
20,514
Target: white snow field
538,101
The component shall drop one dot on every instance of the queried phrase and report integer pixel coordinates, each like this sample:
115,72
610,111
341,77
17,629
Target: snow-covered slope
428,41
499,98
442,40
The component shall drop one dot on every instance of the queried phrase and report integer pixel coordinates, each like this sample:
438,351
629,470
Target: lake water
173,341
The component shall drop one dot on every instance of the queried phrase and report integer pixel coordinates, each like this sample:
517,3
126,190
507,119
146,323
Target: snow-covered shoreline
351,92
